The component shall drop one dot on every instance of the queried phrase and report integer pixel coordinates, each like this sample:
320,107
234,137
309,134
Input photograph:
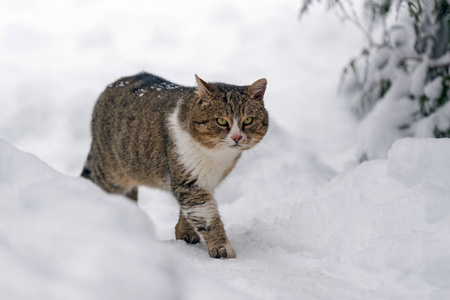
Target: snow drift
381,230
384,226
63,238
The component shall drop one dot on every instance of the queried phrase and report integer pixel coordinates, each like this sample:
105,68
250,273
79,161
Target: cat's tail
98,174
94,171
86,173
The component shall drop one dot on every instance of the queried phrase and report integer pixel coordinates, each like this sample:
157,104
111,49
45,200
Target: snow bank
62,238
383,227
379,231
414,161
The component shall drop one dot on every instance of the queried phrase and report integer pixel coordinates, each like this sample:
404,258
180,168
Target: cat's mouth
239,147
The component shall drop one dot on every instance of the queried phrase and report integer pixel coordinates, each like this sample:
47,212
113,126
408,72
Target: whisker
267,148
267,152
258,161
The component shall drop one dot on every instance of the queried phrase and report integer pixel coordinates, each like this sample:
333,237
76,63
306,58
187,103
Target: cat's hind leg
185,231
132,193
94,171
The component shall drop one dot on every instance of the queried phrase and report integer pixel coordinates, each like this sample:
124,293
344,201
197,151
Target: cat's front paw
189,236
224,251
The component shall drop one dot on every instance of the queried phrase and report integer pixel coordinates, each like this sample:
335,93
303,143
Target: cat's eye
222,122
248,121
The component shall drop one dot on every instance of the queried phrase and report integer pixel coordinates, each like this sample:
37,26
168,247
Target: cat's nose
236,137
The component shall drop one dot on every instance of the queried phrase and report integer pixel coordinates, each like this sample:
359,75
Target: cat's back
129,123
143,91
138,100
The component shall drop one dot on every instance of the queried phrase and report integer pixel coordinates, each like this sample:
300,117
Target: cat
185,140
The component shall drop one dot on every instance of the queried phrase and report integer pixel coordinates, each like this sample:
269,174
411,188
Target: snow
434,88
440,120
426,162
64,238
418,78
384,125
390,86
306,221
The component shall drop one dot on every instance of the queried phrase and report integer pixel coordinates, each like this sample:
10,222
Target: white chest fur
207,166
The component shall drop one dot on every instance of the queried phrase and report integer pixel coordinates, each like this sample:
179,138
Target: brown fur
149,131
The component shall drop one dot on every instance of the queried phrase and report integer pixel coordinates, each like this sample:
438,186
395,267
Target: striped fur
149,131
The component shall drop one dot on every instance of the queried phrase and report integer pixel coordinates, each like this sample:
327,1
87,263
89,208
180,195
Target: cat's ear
203,89
257,89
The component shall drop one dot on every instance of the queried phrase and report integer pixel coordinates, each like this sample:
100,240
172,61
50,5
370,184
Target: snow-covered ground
303,227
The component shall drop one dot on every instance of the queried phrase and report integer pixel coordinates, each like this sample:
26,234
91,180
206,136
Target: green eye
248,121
222,122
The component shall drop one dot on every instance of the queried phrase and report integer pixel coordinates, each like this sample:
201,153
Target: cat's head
226,116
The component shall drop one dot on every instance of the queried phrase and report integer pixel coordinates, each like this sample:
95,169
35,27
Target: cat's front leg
185,231
200,210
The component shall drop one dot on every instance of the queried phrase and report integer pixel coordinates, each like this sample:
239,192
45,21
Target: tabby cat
185,140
